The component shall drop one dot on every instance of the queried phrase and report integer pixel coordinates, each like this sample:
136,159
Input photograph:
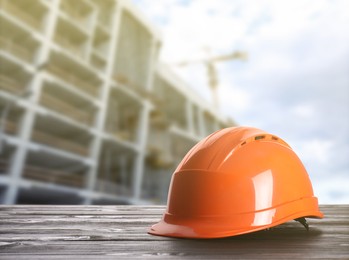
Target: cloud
235,99
316,151
305,111
331,190
295,83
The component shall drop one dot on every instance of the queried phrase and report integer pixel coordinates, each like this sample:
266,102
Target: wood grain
118,232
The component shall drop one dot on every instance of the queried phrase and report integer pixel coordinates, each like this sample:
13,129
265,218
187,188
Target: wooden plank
118,232
72,210
115,230
197,249
127,209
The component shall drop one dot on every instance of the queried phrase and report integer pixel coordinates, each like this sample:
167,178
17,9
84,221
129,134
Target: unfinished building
88,113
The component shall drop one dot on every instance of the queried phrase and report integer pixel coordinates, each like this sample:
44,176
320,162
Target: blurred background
101,99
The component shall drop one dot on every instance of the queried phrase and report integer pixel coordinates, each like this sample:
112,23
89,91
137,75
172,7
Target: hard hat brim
217,227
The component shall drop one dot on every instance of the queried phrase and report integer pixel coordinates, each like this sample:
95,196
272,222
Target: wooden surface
118,232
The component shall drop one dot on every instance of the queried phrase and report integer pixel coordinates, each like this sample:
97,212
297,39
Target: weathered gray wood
117,232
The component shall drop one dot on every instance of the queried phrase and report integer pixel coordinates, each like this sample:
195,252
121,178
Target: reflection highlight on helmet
263,187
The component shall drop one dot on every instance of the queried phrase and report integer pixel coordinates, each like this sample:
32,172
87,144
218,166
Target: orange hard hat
237,180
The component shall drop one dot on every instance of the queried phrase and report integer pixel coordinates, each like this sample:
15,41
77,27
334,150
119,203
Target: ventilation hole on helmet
243,143
259,137
274,138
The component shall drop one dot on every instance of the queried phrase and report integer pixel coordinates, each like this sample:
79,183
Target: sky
295,83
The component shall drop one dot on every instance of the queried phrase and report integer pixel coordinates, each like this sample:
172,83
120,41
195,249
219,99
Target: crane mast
212,74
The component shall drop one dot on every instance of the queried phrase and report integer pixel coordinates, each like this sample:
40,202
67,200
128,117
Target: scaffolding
88,113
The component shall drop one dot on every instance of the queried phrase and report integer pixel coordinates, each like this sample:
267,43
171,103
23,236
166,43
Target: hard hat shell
237,180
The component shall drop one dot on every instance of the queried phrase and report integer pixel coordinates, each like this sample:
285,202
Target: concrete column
49,32
27,123
26,128
201,119
216,124
138,170
102,114
189,116
89,43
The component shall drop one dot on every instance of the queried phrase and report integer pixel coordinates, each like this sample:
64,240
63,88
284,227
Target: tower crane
212,73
